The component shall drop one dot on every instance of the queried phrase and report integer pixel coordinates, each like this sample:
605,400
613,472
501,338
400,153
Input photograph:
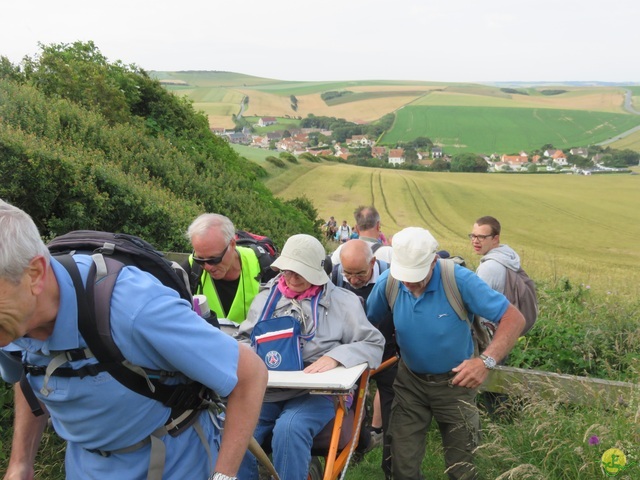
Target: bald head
357,262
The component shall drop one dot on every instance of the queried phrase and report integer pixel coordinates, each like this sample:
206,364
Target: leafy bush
326,96
275,161
552,92
513,91
124,155
288,157
309,157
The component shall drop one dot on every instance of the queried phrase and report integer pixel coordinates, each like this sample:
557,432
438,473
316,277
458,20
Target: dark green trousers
419,399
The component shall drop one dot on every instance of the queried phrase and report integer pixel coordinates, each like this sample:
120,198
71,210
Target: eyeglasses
473,237
356,275
290,273
211,260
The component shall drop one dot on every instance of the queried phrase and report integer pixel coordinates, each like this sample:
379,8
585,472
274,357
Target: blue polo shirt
431,336
154,328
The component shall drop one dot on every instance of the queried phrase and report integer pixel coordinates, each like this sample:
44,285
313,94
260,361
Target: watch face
489,362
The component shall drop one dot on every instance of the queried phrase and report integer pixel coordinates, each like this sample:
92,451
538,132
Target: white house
266,121
396,156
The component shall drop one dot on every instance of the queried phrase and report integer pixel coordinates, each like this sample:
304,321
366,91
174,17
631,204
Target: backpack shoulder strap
195,277
447,272
94,323
336,276
382,266
391,291
375,246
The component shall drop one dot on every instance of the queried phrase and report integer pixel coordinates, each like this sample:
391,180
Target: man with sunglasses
227,274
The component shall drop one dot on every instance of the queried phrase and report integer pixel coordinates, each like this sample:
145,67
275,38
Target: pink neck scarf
312,291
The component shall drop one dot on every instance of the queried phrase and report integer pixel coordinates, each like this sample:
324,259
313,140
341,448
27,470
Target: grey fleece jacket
493,266
343,333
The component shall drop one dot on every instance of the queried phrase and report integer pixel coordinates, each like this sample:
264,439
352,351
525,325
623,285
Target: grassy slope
584,228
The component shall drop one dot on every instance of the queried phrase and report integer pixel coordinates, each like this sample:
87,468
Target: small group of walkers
112,431
341,234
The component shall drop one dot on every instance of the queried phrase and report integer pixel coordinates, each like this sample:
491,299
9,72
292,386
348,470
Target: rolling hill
458,116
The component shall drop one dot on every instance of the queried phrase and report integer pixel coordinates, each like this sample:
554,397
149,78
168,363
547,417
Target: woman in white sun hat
337,333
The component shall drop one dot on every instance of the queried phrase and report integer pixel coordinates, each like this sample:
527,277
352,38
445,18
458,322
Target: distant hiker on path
330,228
344,232
368,228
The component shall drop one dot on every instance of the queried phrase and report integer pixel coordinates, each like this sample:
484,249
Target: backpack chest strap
59,360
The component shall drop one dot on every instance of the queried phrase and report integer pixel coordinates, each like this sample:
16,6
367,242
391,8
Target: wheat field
582,228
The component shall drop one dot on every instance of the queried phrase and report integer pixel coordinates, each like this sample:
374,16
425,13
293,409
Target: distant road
628,106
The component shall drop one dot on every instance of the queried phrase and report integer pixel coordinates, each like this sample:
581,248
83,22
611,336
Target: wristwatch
488,361
221,476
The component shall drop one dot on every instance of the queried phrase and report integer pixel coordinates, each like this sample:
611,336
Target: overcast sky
431,40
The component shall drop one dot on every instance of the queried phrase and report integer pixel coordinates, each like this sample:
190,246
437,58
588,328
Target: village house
238,137
378,152
396,156
260,142
516,162
358,141
266,121
436,152
580,152
339,150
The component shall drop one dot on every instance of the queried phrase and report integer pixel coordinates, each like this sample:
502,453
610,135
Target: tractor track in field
373,195
384,199
426,204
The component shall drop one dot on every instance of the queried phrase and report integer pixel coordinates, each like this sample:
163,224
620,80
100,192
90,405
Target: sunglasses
211,260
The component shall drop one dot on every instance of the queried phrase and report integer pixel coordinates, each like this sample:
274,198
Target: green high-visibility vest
248,286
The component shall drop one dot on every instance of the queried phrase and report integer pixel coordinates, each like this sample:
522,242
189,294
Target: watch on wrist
221,476
489,362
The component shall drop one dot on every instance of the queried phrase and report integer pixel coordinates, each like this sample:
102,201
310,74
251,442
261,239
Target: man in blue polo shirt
438,376
111,431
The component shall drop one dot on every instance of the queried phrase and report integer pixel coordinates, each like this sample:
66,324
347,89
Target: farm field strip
487,130
605,101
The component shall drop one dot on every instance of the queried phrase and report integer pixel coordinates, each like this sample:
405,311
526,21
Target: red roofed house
396,156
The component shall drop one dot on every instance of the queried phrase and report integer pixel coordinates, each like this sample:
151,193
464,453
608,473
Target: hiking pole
254,446
259,453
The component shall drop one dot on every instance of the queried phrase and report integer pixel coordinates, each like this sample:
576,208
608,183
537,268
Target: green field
487,130
582,228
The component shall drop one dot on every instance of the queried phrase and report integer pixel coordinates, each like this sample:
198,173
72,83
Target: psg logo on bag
273,359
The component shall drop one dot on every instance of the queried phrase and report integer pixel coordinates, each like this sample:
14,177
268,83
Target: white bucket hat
414,249
304,255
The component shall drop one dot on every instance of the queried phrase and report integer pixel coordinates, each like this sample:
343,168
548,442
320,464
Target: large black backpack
112,252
